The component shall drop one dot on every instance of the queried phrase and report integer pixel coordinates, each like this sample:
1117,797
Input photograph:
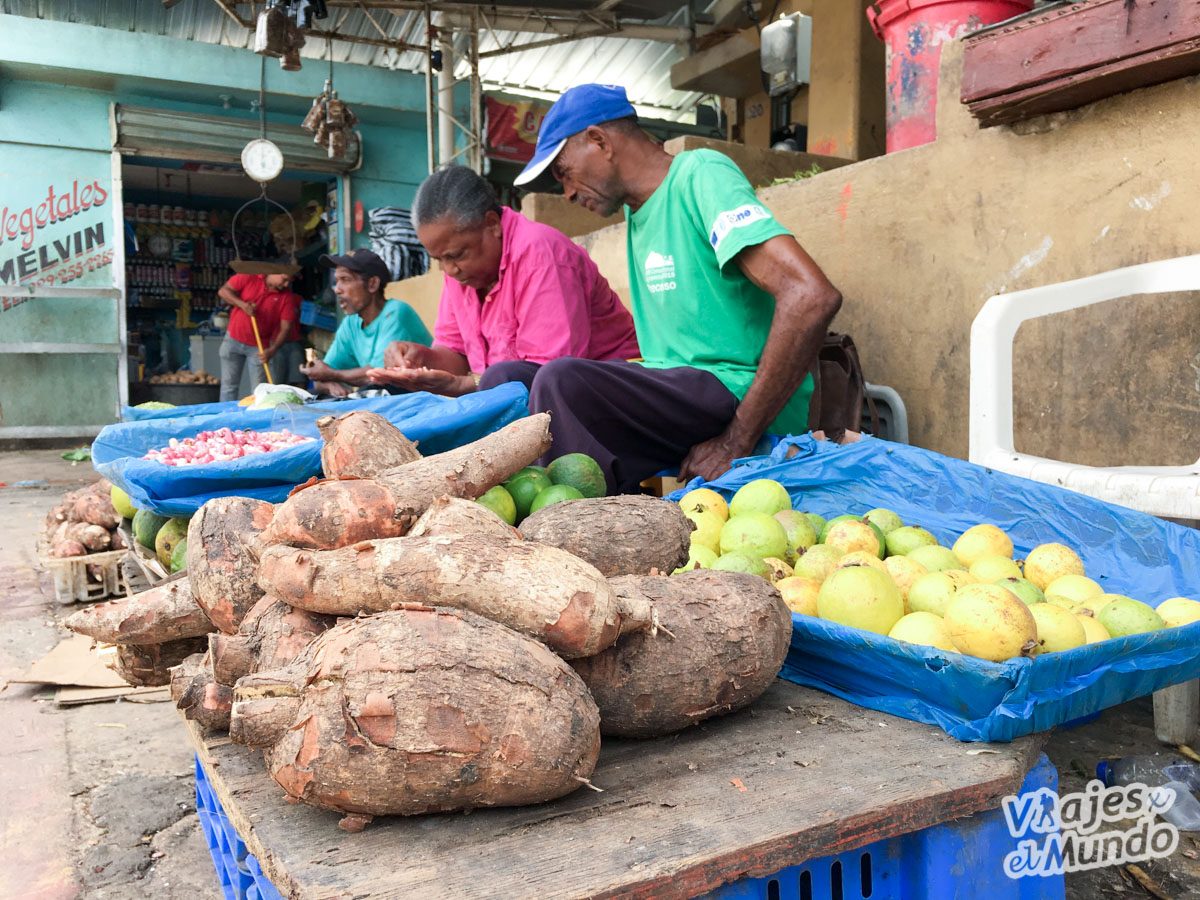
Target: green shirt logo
660,272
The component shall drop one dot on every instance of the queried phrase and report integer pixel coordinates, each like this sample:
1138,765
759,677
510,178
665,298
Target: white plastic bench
1169,491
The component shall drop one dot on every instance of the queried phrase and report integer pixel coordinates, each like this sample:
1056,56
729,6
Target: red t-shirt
268,309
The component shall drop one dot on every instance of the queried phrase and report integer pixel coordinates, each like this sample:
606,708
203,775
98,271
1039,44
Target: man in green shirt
730,311
371,323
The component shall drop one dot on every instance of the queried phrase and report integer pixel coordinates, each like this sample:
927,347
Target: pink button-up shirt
550,301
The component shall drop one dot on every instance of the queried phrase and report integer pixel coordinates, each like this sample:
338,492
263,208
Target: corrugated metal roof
642,66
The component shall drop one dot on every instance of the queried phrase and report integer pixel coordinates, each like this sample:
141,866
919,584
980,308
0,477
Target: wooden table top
800,775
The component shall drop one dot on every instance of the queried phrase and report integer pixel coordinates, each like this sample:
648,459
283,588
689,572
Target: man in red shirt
284,352
258,296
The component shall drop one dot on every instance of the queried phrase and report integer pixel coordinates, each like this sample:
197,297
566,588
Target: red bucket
914,32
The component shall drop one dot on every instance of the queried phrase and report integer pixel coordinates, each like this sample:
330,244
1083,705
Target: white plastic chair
1170,491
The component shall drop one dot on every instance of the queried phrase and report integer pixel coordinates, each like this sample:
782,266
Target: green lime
556,493
524,489
528,470
581,472
501,502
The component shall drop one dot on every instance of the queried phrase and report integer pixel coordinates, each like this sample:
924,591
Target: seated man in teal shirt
372,322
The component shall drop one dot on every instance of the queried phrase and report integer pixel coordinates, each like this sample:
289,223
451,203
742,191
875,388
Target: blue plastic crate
960,860
317,316
240,874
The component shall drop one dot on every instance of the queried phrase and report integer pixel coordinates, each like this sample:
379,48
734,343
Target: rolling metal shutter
167,134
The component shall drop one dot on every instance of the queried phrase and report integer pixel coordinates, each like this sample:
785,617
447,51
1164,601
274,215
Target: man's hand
332,388
264,356
318,371
436,381
712,458
405,355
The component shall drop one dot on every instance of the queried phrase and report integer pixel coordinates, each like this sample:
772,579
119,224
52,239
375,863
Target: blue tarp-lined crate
800,779
437,424
1127,552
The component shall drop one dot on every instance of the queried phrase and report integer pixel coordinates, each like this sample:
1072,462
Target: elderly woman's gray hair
455,193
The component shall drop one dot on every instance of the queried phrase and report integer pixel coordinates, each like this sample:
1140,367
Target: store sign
56,230
512,128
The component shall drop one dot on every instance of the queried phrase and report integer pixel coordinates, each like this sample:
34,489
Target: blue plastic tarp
1127,552
435,423
136,414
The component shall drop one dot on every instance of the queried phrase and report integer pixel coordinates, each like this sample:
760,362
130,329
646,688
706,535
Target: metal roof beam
580,24
229,9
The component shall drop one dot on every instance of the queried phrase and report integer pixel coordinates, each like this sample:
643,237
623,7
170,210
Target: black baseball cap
362,261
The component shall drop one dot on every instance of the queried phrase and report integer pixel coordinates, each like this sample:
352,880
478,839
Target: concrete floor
98,800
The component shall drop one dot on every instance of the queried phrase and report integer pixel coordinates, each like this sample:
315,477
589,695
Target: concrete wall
918,240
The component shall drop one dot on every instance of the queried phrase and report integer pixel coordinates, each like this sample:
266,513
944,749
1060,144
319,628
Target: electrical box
787,52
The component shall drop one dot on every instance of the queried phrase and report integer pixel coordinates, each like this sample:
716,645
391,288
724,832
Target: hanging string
262,124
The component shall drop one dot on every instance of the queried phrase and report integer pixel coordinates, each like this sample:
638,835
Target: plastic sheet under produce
1127,552
435,423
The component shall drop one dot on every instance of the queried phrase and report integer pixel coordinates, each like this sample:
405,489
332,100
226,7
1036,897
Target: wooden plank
1073,91
801,775
1067,41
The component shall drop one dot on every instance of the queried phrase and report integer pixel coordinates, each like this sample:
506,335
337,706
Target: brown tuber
197,693
332,514
221,562
270,636
148,665
618,535
420,710
728,636
450,515
65,549
362,445
540,591
166,612
95,509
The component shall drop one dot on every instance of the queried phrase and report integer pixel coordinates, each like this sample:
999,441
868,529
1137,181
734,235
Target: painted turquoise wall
55,90
57,83
117,60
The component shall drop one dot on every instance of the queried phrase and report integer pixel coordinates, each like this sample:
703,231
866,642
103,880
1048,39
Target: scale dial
262,160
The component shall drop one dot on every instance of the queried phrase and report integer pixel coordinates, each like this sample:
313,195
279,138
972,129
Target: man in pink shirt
517,295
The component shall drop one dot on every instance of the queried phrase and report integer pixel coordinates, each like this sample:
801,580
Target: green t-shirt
692,304
354,346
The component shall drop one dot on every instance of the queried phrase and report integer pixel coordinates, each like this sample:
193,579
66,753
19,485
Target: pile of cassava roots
394,648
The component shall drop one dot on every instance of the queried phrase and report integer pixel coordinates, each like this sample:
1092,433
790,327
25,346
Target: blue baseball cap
575,110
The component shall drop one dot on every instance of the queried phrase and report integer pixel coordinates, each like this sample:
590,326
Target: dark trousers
632,420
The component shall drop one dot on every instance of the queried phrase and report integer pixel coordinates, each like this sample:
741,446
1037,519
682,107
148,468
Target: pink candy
222,445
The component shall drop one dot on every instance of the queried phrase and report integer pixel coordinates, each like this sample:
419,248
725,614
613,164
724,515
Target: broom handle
258,340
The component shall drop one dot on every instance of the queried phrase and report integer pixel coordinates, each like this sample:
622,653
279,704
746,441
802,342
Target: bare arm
411,355
285,328
318,371
232,298
805,304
